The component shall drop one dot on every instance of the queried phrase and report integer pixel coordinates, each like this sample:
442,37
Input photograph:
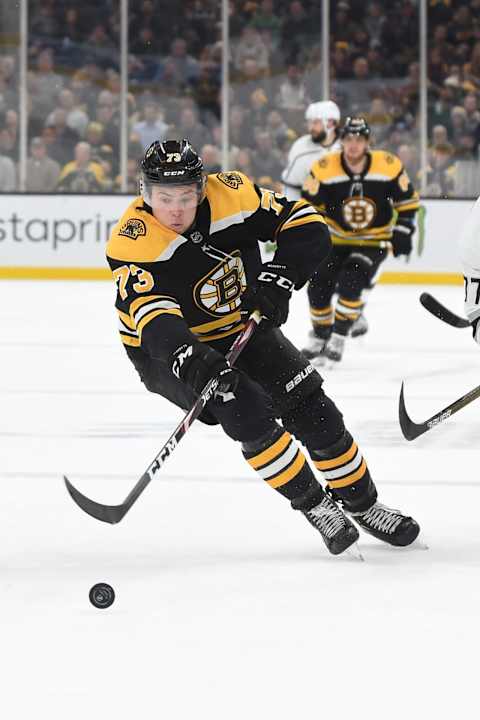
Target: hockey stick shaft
114,513
412,430
442,313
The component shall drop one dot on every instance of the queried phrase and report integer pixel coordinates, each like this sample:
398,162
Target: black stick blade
410,429
106,513
441,312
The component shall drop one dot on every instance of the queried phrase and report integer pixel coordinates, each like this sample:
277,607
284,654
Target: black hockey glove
401,243
270,294
197,364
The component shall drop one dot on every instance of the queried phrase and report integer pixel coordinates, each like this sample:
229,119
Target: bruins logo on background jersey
133,228
219,292
233,180
359,212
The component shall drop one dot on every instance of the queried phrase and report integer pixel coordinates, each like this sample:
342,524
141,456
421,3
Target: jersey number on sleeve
122,274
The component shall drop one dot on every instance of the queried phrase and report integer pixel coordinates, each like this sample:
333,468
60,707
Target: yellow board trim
270,453
349,479
54,273
289,473
340,460
65,273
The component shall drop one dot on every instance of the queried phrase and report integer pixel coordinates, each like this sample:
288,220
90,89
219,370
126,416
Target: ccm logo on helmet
174,172
298,378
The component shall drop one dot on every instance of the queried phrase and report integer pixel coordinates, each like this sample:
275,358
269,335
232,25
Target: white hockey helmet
324,110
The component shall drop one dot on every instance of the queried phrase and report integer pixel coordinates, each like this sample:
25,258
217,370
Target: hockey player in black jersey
186,261
359,192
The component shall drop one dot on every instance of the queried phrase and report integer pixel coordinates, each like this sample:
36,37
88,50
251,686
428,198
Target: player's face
317,129
354,147
175,206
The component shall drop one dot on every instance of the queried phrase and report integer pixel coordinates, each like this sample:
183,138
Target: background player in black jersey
369,204
186,260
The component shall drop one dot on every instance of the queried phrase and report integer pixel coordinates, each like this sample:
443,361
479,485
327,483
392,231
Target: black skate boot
359,327
388,525
315,346
334,348
337,531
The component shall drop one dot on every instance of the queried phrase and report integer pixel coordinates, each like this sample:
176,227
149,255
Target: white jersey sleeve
303,153
469,248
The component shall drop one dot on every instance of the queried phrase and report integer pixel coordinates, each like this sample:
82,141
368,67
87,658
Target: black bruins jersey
167,280
360,209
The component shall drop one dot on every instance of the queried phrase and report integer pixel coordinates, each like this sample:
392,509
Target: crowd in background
275,72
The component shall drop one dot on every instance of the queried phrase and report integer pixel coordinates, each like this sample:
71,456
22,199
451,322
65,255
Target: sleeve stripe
303,221
163,305
145,320
309,210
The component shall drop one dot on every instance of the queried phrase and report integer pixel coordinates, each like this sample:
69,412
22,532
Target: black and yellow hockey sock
345,470
281,463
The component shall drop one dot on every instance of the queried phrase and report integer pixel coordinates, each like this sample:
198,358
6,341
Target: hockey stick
441,312
412,430
114,513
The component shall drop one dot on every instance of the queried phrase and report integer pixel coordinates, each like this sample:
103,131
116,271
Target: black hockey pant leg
355,277
318,423
321,288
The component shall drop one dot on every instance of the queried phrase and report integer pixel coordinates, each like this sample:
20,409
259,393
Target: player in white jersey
323,119
469,247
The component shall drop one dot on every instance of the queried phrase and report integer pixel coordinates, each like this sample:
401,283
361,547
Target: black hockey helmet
355,126
172,162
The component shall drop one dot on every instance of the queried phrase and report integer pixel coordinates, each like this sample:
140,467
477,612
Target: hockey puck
101,595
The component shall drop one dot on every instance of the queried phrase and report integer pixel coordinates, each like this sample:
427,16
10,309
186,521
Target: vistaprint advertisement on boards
57,230
71,231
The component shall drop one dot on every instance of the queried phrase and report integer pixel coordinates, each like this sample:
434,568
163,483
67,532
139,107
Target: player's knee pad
345,470
315,420
246,415
355,275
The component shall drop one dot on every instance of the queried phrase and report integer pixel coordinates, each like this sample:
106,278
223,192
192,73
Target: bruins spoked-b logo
133,228
219,292
232,179
359,212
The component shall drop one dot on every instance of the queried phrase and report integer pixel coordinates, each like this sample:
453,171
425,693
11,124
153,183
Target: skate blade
354,552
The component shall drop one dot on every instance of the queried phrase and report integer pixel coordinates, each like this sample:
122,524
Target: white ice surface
228,605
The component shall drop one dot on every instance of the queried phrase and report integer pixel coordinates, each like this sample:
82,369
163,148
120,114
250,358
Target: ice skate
315,346
334,347
359,327
388,525
337,531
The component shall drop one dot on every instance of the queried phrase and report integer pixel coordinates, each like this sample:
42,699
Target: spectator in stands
297,30
408,154
292,94
472,114
266,160
439,135
183,69
42,171
190,127
244,162
152,127
7,174
266,18
250,46
457,123
440,171
65,137
45,84
239,131
379,119
81,175
132,178
76,117
210,155
278,129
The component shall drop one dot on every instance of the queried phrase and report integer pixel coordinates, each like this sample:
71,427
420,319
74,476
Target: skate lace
382,518
327,518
